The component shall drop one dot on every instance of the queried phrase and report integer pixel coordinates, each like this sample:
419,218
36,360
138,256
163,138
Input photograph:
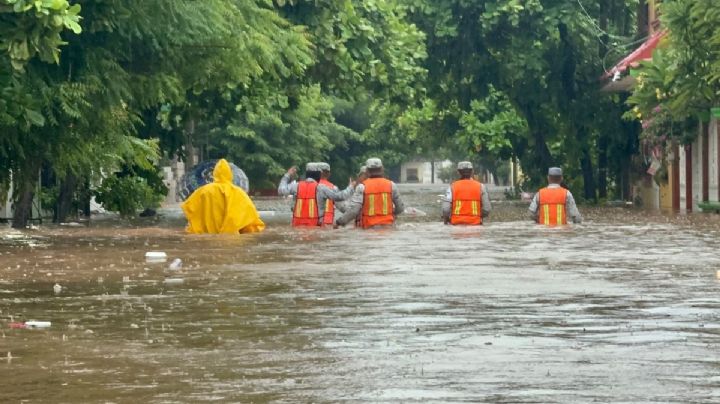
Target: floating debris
57,288
175,265
37,324
174,281
155,256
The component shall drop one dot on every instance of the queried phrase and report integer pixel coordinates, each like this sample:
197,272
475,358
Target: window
411,175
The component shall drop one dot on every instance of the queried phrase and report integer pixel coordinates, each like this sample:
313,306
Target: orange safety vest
377,203
305,212
466,205
551,206
329,217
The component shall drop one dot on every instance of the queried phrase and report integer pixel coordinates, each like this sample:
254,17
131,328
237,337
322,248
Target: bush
126,195
448,174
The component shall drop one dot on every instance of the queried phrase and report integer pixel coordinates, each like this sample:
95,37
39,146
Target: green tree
677,88
542,56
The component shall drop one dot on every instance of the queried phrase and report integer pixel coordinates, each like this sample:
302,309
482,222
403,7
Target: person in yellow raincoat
221,207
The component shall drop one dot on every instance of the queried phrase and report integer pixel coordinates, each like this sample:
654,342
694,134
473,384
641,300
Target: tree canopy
681,84
94,89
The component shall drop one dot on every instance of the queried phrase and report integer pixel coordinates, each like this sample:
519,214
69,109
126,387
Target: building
693,179
423,171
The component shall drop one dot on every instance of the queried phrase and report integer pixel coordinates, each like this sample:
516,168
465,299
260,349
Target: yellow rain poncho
221,207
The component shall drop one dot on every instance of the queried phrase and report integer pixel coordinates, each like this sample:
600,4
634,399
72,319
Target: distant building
423,171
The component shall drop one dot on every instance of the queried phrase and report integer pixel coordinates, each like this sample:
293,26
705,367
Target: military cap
324,166
555,171
464,165
373,163
312,167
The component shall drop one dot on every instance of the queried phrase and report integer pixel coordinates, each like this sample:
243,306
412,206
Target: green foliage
491,125
521,78
269,84
683,79
32,28
448,174
127,194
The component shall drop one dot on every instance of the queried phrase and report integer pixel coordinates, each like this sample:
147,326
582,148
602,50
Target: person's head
374,167
324,170
555,175
362,174
312,171
465,170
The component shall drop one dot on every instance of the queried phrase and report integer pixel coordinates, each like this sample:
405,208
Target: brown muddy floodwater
624,308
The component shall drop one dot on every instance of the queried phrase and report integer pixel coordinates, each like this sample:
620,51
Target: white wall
417,165
5,206
714,164
424,171
697,161
681,159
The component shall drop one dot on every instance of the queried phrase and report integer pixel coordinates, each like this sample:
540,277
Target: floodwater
624,308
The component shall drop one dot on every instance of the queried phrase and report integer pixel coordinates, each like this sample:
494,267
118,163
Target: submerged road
624,308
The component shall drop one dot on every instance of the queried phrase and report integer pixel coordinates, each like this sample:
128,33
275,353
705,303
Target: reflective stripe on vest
551,206
306,211
467,202
329,216
377,203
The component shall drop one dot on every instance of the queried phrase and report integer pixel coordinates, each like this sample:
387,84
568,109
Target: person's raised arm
286,187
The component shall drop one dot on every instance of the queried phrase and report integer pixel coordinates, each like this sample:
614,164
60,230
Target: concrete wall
171,175
697,174
5,206
714,165
423,170
683,176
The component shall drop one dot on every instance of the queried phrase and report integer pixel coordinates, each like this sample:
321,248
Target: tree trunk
64,204
602,166
26,181
22,208
542,152
588,177
85,199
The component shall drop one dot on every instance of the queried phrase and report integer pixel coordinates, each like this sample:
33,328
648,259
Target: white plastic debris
155,256
175,265
410,211
57,288
174,281
37,324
